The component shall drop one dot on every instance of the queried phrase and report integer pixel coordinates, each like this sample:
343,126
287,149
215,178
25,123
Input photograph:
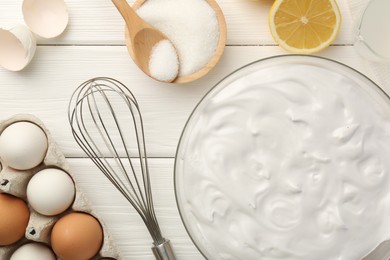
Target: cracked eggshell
46,18
17,47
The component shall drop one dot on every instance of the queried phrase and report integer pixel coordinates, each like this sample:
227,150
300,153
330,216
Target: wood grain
97,22
123,222
44,88
94,45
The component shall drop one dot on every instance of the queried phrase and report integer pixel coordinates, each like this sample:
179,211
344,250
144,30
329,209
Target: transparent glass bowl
194,228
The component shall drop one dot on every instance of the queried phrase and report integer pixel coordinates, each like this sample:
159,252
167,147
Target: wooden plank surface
98,22
93,45
45,87
123,222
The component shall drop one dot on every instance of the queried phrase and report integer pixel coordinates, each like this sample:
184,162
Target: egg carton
15,182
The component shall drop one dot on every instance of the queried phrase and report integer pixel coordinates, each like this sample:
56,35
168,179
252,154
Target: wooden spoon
142,35
218,52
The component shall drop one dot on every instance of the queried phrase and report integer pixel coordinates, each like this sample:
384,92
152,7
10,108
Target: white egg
23,145
50,191
33,251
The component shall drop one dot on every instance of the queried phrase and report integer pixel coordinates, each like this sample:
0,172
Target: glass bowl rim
329,60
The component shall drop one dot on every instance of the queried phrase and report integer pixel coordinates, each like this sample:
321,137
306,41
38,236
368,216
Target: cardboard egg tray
15,182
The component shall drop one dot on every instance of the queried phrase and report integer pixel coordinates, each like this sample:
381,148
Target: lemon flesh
304,26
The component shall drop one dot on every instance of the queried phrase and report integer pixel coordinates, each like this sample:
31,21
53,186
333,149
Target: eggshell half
17,47
46,18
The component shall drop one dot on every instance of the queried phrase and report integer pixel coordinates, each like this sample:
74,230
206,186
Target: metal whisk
105,119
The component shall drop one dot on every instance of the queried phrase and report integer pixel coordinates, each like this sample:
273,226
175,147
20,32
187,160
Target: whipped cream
287,162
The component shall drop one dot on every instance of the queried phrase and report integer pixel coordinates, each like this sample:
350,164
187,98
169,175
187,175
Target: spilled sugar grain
192,27
163,61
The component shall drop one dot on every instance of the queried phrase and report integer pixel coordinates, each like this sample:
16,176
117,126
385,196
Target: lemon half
304,26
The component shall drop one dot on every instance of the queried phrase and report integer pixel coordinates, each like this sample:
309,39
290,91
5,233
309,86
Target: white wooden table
93,45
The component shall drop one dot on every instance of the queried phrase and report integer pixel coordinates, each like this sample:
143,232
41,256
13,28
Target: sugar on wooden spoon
153,52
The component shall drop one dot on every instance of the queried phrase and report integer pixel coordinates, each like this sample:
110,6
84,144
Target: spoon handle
133,21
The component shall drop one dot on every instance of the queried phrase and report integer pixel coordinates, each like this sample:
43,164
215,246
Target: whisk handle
164,251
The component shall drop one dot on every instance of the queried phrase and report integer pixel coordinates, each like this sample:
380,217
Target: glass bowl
265,167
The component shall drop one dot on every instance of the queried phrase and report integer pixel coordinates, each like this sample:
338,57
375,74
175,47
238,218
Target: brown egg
14,216
77,236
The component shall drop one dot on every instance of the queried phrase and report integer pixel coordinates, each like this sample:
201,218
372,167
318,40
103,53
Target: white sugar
163,61
191,25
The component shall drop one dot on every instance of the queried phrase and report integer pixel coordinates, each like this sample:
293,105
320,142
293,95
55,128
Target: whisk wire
105,167
144,163
109,144
139,133
137,190
90,150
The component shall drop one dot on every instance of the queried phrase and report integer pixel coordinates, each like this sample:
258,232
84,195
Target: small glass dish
373,32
